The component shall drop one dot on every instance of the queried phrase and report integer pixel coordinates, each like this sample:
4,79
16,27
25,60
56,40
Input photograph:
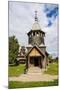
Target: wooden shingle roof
37,49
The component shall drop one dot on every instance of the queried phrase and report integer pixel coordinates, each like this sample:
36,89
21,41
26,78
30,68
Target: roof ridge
38,49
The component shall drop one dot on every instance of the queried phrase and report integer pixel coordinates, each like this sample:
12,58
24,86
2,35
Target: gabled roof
37,49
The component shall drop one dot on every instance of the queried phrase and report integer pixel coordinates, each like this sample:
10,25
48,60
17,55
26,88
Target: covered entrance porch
35,58
36,61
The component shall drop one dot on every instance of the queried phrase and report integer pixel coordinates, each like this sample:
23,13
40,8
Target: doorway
35,61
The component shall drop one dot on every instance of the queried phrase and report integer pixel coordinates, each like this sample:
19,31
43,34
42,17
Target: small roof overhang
37,49
35,31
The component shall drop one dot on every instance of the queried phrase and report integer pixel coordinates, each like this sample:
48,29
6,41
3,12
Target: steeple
36,25
36,35
36,19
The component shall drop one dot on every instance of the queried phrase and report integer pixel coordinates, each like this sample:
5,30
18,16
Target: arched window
37,33
33,33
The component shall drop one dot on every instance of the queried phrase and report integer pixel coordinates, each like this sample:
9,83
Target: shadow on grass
12,65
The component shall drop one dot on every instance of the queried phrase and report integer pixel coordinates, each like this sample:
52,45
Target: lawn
52,69
16,70
16,84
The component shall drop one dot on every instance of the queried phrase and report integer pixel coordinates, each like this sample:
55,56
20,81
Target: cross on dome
36,25
36,19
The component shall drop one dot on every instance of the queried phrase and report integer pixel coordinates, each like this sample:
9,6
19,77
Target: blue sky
21,19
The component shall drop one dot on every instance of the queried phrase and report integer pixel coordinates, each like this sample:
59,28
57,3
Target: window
33,33
37,33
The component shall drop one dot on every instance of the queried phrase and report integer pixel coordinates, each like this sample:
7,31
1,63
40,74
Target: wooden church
36,49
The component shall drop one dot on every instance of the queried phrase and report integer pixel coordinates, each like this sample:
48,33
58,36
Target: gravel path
33,77
34,74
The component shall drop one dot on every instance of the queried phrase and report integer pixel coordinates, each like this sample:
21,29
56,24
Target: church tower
36,49
36,35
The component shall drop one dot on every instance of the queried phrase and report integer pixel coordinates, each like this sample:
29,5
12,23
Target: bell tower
36,35
36,48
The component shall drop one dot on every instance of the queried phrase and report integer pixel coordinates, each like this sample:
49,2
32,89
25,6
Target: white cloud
51,39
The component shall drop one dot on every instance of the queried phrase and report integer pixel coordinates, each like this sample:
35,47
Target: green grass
16,84
16,70
52,69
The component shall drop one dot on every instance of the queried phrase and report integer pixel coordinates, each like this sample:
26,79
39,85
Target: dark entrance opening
36,61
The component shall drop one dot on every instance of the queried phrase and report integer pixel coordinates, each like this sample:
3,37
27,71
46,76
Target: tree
13,49
50,58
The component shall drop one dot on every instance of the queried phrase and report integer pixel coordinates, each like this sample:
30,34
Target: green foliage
16,84
55,60
52,69
13,49
50,58
16,70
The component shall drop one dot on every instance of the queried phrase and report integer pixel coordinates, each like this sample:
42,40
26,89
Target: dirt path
34,75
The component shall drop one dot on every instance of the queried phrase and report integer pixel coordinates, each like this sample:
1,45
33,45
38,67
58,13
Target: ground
52,69
16,84
16,70
26,80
